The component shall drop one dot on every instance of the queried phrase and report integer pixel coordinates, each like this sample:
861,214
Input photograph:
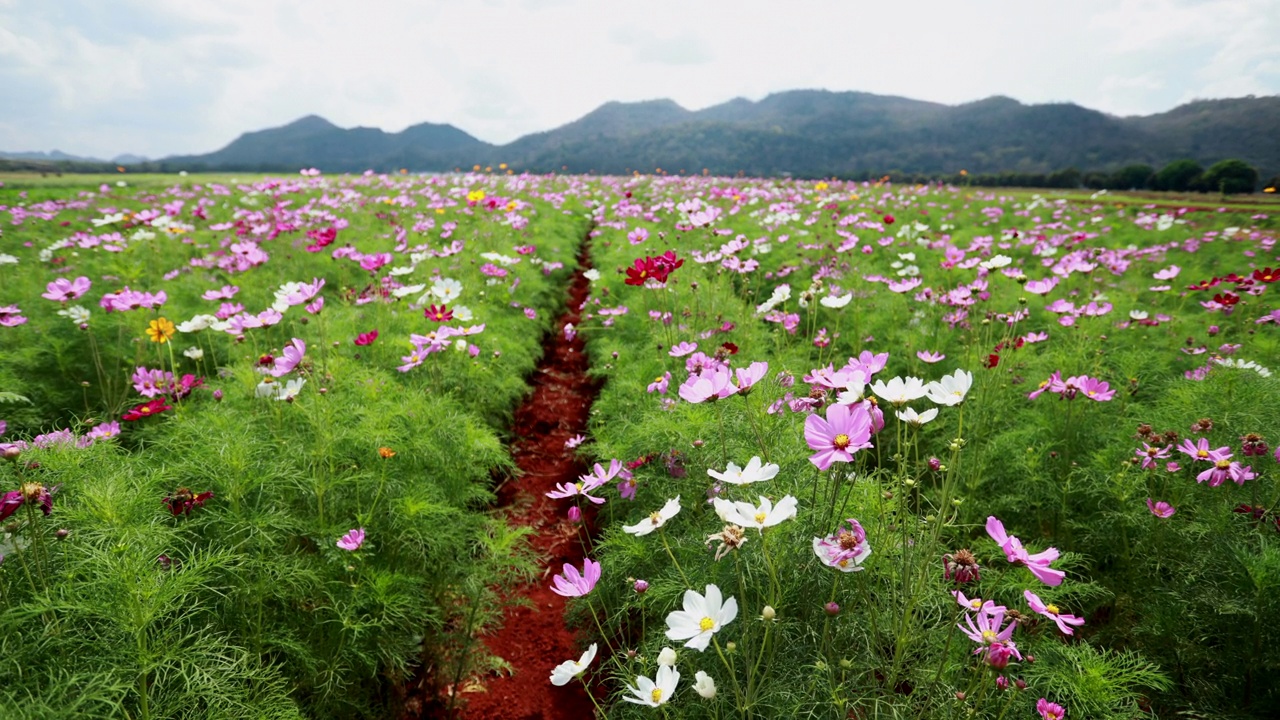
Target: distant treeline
1227,177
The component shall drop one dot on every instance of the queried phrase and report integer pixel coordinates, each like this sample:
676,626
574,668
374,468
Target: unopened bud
769,613
832,608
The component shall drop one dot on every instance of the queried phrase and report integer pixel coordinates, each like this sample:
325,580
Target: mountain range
809,133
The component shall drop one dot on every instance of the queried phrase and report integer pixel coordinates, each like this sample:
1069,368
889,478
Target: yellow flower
386,453
475,196
439,211
820,186
502,166
160,330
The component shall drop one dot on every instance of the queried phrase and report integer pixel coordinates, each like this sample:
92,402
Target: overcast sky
160,77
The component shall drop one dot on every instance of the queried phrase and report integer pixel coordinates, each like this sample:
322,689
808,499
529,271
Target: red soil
534,638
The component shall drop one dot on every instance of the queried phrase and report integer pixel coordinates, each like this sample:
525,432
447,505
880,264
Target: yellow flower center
658,379
841,441
1223,464
578,485
975,603
1202,454
656,694
760,518
1051,609
988,636
655,518
706,624
843,563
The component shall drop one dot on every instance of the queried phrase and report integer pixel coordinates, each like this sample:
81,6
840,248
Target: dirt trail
534,639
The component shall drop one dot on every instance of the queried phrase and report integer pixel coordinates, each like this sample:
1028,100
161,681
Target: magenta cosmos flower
714,384
289,358
64,290
1162,509
1052,612
846,430
352,541
571,583
1150,454
1050,711
1200,450
1015,553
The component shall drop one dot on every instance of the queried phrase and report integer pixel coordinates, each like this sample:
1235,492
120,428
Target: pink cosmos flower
352,541
11,316
1042,287
1015,553
750,375
1150,454
994,643
977,604
226,293
289,358
845,430
571,583
1224,468
63,290
1052,612
1200,450
1050,711
660,384
1095,389
930,357
364,339
844,550
1162,509
682,349
574,441
710,385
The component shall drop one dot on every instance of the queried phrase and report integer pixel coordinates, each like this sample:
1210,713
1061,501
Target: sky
162,77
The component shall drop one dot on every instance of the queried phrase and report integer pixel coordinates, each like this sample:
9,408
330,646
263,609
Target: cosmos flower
569,669
766,514
845,430
702,617
1015,553
656,692
845,549
571,583
755,471
655,519
352,541
64,290
1051,611
160,330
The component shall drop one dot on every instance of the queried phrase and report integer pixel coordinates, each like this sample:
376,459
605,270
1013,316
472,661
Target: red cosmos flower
182,500
366,338
1227,299
1266,275
147,409
1205,284
730,348
438,314
641,271
888,219
266,359
991,362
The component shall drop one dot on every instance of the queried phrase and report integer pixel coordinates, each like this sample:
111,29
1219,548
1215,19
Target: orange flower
160,330
386,452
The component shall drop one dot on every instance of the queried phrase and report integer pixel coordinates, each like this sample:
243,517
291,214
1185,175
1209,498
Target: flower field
855,450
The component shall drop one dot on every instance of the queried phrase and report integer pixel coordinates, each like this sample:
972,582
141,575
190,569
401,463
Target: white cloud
155,77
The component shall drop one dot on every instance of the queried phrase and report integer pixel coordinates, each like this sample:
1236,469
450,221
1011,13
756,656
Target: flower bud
62,533
667,657
1002,683
832,608
769,613
575,514
1020,684
641,587
935,464
731,646
217,395
704,686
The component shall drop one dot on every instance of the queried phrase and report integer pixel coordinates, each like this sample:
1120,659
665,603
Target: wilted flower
961,566
731,537
182,500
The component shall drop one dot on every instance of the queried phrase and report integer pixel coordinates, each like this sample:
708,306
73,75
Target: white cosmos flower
197,323
781,294
651,693
408,290
951,389
753,472
194,353
997,262
592,274
758,517
7,259
704,685
1137,314
667,657
462,313
702,617
911,417
655,520
446,289
107,219
568,670
899,391
290,389
76,314
835,302
401,270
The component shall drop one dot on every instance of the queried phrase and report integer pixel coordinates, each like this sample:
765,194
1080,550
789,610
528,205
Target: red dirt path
534,639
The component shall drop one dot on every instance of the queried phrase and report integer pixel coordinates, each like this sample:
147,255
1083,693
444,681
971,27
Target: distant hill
315,142
52,156
809,133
